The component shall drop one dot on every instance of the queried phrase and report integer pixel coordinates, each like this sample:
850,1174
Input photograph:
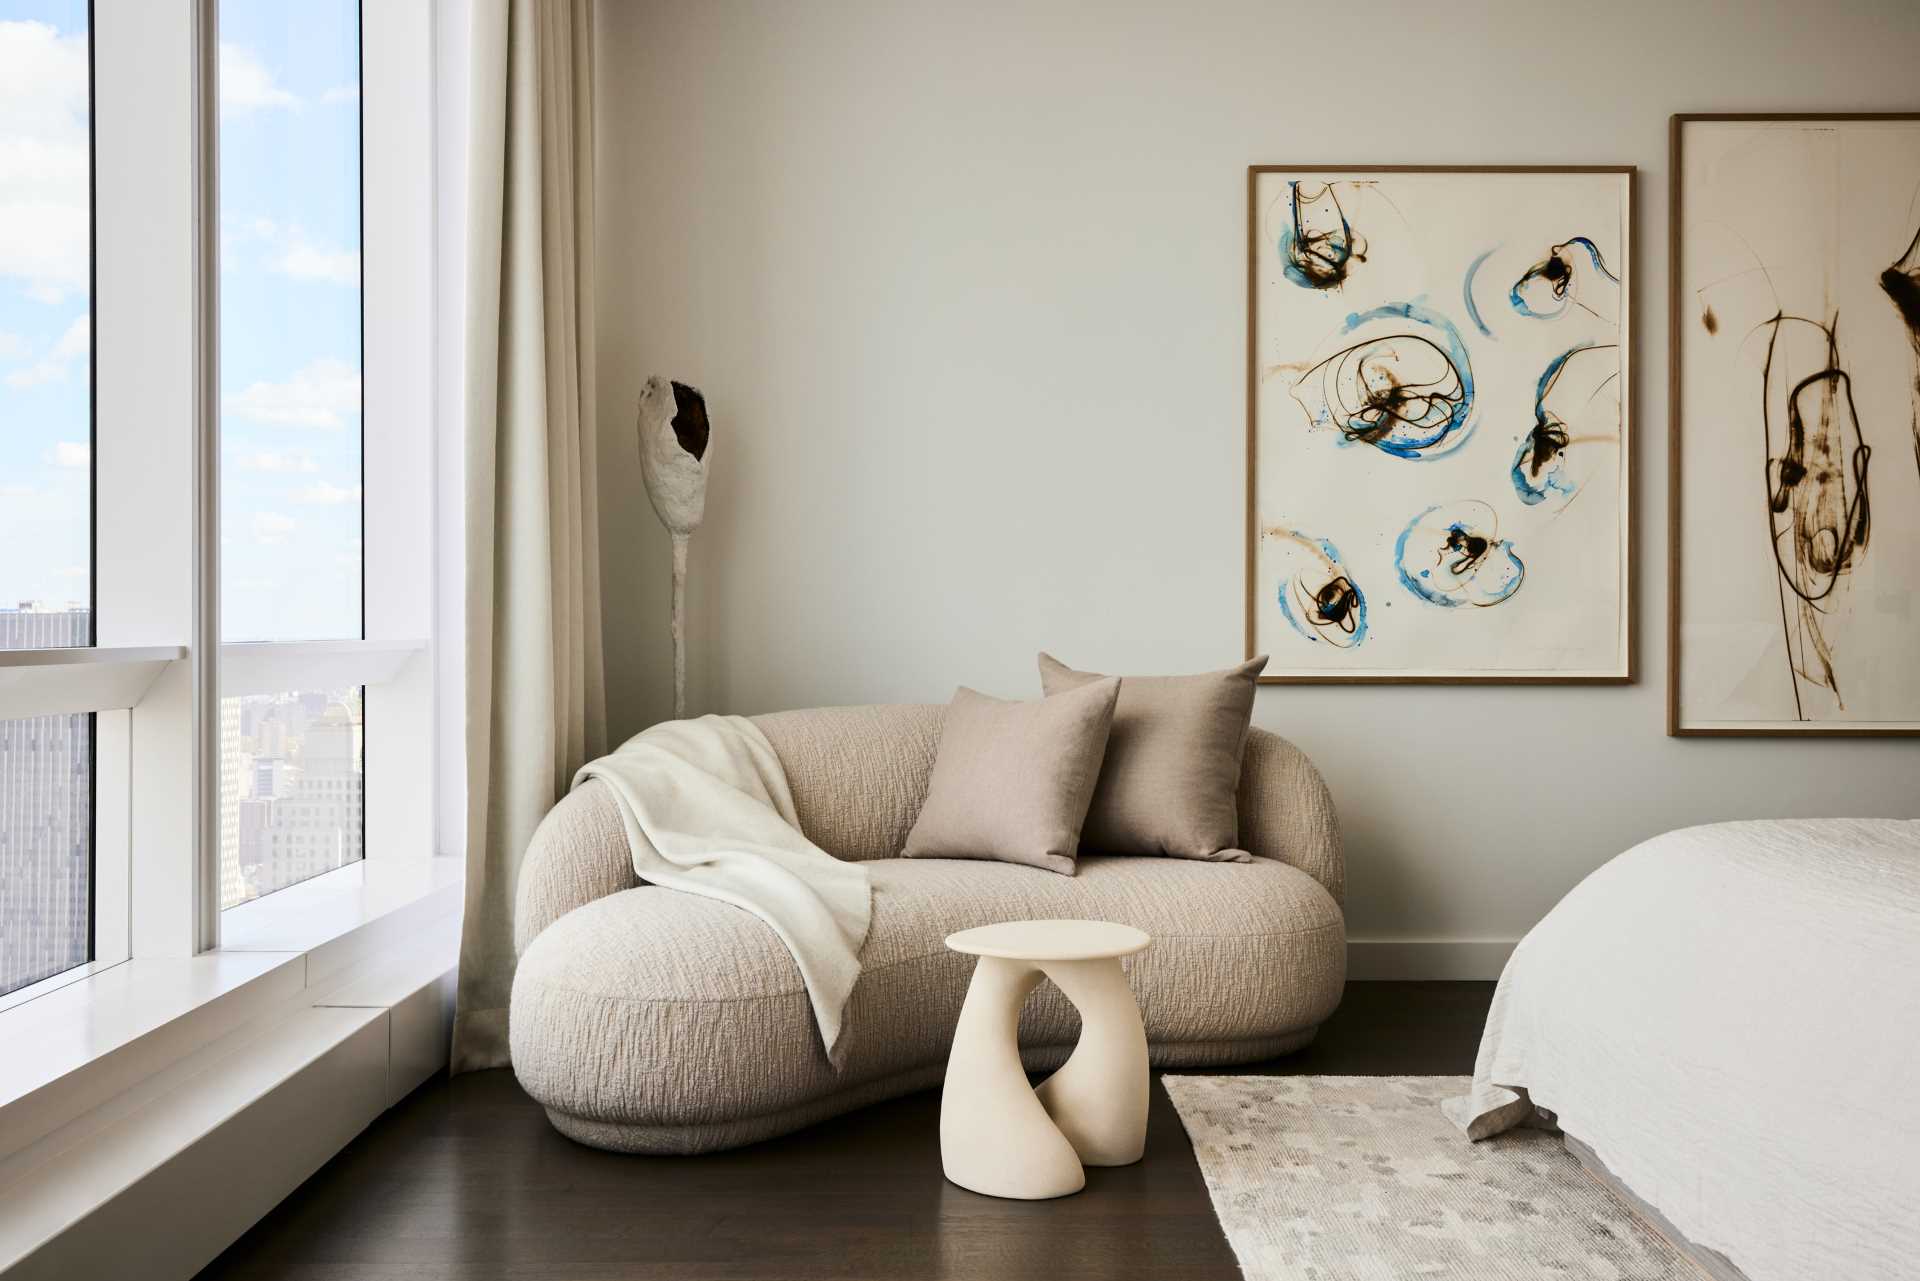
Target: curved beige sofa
646,1020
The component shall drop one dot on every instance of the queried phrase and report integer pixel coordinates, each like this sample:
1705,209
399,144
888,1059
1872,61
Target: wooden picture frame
1261,264
1685,308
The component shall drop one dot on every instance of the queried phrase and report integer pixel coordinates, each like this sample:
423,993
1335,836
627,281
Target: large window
196,660
290,430
46,477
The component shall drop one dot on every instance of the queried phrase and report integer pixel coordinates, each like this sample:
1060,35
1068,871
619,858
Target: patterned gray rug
1353,1178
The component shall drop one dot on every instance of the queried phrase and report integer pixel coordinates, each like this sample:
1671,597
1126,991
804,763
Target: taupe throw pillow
1171,781
1011,781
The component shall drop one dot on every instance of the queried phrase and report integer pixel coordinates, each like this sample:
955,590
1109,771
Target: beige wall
964,286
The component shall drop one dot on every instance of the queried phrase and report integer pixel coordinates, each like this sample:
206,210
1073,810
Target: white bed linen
1729,1016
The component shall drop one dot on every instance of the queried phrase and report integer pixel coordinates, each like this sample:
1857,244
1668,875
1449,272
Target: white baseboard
156,1181
1428,958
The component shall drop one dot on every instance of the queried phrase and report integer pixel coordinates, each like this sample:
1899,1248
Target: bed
1726,1020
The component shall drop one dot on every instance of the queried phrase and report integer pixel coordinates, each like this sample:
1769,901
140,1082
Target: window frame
156,669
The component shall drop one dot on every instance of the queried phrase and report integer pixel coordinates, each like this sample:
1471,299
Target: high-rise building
255,816
233,768
272,776
270,734
46,817
315,827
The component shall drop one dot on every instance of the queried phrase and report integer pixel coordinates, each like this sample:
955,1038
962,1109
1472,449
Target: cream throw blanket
707,811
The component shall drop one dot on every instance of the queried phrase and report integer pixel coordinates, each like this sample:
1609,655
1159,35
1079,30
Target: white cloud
12,346
271,527
72,571
246,85
43,161
321,494
289,251
77,341
69,453
304,261
321,395
341,93
292,460
73,345
17,491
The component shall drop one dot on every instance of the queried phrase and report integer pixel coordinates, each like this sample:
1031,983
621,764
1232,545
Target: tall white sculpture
674,446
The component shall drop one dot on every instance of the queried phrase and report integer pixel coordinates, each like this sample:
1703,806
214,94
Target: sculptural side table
1000,1136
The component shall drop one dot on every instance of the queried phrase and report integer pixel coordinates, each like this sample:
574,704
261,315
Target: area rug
1358,1178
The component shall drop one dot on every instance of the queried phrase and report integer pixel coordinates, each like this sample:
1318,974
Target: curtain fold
535,696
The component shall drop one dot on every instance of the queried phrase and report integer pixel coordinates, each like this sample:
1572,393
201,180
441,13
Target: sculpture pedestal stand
679,627
1000,1136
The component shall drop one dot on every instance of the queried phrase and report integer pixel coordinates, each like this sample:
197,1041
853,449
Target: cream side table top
1051,940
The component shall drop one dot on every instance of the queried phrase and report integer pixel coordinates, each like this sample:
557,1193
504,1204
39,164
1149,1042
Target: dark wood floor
465,1179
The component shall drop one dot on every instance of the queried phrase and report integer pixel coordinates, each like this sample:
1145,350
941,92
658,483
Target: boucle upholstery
650,1021
858,774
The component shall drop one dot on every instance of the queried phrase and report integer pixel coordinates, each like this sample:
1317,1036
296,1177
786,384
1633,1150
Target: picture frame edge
1676,727
1630,674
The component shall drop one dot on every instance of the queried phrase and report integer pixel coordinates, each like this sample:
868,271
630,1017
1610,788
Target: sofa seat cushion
652,1012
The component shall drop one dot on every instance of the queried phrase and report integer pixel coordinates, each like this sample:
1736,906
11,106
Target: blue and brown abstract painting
1437,411
1796,592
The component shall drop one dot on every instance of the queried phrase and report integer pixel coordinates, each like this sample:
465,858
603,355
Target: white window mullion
205,655
398,168
145,557
112,827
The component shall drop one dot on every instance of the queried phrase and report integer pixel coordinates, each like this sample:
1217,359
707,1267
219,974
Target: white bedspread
1730,1017
707,811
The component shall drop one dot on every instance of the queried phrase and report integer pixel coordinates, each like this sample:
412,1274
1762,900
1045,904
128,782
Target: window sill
267,667
81,1045
94,678
349,915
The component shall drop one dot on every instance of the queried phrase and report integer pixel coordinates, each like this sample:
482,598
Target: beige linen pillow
1171,781
1011,781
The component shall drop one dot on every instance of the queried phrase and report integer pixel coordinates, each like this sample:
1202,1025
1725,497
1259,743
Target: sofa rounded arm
578,855
1286,811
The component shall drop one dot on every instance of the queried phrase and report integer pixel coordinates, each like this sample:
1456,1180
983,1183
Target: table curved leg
1098,1098
995,1137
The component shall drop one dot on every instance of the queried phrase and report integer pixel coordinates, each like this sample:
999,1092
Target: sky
289,302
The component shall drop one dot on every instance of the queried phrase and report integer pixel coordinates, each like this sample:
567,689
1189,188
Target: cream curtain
535,696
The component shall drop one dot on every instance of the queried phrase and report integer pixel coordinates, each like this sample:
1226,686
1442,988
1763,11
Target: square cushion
1171,780
1011,781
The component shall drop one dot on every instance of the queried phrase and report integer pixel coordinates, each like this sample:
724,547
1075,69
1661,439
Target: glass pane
46,847
46,476
292,775
289,319
46,328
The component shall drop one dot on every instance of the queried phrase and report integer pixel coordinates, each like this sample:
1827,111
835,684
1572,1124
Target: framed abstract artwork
1794,318
1439,480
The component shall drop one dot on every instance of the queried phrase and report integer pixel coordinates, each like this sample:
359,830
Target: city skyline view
292,770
